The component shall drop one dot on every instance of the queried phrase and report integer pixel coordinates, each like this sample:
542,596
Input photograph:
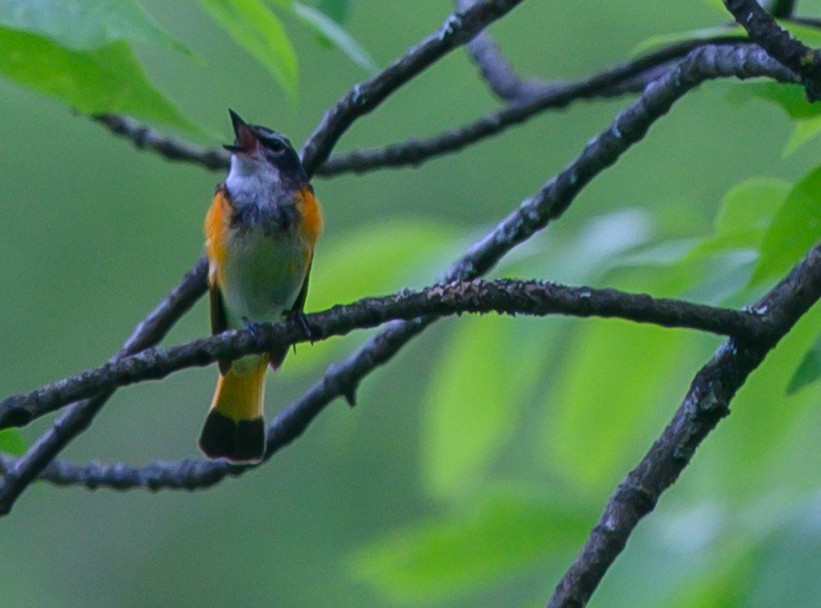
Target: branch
362,99
533,214
20,473
505,296
631,76
497,71
706,403
617,80
146,138
779,43
458,29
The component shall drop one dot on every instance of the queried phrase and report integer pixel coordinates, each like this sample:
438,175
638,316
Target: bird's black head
258,144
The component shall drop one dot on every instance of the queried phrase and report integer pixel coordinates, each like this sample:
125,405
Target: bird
260,233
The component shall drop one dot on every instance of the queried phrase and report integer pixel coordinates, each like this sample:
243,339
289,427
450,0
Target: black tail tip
240,441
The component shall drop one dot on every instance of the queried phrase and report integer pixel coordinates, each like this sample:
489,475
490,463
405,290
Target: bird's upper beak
246,140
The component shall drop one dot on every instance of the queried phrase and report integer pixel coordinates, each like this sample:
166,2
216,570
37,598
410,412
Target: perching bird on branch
260,234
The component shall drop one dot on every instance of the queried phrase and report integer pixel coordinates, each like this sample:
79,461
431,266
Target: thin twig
706,403
341,379
171,148
616,80
779,43
504,296
629,77
457,30
497,71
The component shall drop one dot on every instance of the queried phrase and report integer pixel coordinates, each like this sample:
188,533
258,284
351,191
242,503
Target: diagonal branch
458,29
779,43
631,76
533,214
363,98
613,81
706,403
170,148
503,296
497,71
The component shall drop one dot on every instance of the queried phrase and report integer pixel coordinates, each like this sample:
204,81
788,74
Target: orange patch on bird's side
216,226
311,213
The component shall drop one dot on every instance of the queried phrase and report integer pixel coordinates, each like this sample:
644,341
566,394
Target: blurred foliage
809,35
794,228
499,533
477,461
806,116
809,370
259,31
105,79
80,52
83,26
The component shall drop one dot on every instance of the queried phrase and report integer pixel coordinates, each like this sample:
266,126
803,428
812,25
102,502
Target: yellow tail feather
234,428
240,394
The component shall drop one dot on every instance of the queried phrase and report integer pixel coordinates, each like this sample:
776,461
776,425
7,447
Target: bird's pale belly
261,275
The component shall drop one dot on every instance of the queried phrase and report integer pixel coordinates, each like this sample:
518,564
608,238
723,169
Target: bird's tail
234,428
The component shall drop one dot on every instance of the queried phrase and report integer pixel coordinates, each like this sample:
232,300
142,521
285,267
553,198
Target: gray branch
503,296
632,76
706,403
779,43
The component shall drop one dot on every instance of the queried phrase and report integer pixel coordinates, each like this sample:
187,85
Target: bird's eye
275,146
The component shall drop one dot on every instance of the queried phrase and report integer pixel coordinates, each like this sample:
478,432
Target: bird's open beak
245,141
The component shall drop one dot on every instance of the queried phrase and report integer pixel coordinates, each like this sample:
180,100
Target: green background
385,504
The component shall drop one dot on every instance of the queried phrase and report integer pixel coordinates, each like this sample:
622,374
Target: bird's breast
260,251
261,273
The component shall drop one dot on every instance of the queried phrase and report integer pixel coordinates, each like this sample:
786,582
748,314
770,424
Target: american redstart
260,234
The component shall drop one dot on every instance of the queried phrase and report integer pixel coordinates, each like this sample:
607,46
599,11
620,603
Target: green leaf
605,405
789,97
750,205
332,32
82,25
335,9
805,131
715,268
809,370
479,382
502,534
764,418
601,244
258,30
744,216
808,34
11,442
792,99
795,228
383,254
654,43
108,79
